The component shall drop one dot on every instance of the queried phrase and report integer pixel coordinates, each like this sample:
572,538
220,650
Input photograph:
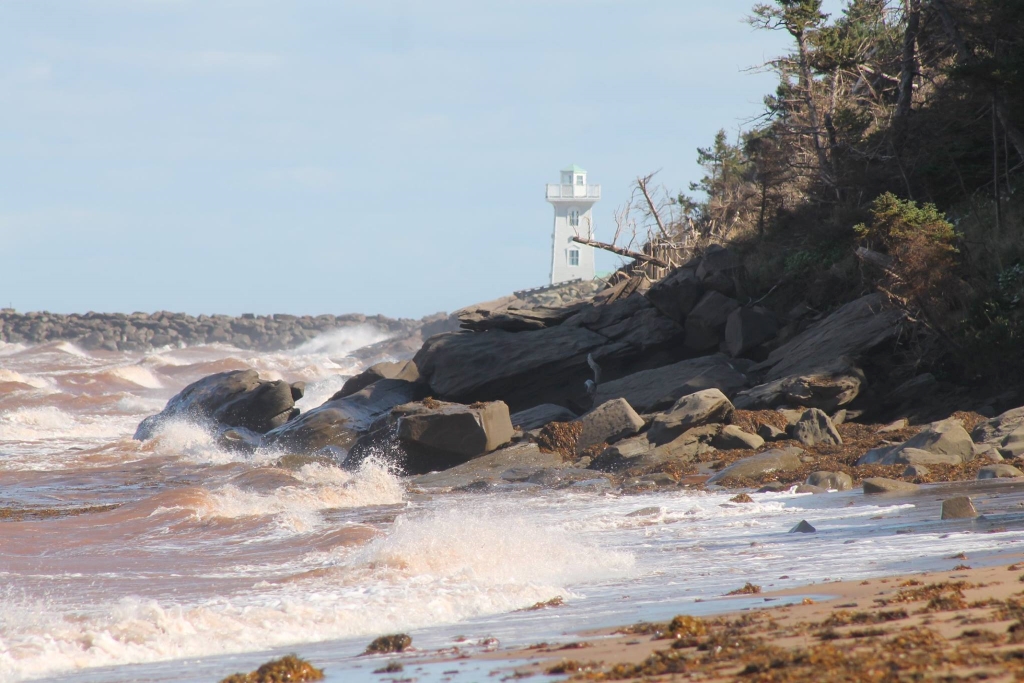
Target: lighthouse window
574,257
579,180
574,218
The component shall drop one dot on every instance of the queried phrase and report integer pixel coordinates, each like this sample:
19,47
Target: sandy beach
966,624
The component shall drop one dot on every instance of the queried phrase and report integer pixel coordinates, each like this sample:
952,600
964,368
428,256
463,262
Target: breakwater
143,331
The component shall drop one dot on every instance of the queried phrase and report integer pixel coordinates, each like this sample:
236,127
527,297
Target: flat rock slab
492,466
960,507
851,330
776,460
652,390
882,485
538,416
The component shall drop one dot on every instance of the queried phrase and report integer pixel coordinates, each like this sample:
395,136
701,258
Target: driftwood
635,255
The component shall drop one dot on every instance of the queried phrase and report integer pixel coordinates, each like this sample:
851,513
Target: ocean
172,560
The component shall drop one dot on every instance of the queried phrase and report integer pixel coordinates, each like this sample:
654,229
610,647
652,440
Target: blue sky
327,156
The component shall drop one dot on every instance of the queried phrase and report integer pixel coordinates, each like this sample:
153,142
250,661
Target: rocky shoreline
685,382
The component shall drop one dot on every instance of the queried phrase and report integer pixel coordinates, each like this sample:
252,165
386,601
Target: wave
48,422
434,568
299,508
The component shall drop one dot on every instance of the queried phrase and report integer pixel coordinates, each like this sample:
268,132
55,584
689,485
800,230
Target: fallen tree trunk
635,255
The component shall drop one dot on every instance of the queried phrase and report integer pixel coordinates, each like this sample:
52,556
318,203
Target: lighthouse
573,198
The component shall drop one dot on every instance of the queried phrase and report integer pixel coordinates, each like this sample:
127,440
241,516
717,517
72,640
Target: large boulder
748,328
438,435
405,370
940,443
238,398
699,408
776,460
607,423
491,467
815,428
852,330
835,385
547,365
659,388
947,436
705,326
339,422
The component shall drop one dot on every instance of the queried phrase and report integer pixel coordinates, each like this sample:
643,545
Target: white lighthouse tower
572,198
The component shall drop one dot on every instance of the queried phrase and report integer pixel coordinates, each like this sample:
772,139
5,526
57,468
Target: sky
335,156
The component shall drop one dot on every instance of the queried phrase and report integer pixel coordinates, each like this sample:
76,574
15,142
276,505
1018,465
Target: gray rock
916,471
705,325
999,471
440,436
339,422
748,328
916,456
837,481
405,370
852,330
882,485
538,416
809,488
999,427
526,456
959,507
637,454
657,389
238,398
1012,445
803,527
609,422
834,385
645,512
896,426
815,428
239,440
732,437
676,294
947,436
777,460
877,454
771,433
699,408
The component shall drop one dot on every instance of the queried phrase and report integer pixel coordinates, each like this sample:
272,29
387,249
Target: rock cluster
144,331
638,392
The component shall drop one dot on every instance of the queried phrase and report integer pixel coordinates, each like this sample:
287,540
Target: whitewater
173,560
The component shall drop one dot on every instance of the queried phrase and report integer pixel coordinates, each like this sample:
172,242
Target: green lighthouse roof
573,169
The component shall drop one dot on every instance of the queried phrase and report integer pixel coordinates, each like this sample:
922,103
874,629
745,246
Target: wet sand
966,624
